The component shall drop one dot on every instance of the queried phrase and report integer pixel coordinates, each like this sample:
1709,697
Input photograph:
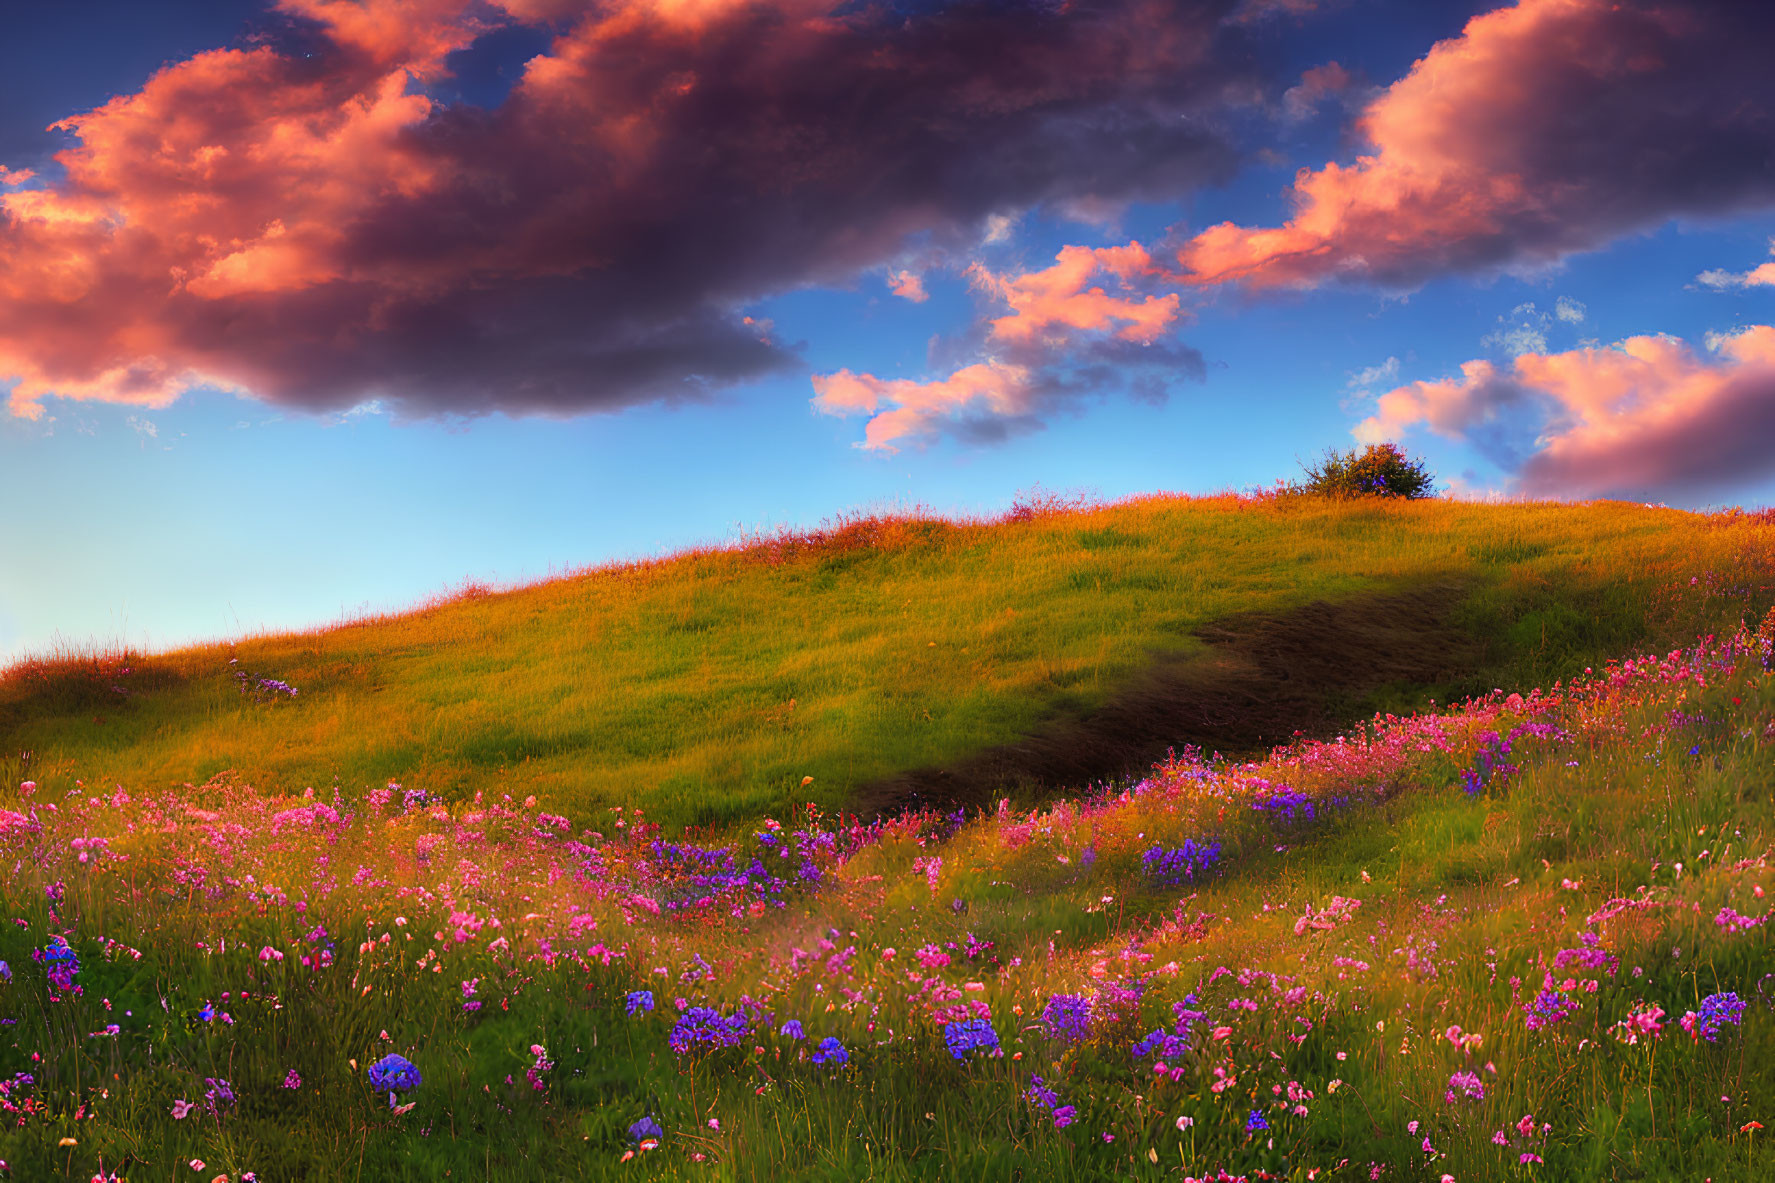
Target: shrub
1381,470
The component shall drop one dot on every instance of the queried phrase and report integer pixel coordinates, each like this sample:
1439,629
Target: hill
1526,937
904,660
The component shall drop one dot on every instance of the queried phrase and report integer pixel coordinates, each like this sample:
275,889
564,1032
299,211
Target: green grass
1657,790
705,687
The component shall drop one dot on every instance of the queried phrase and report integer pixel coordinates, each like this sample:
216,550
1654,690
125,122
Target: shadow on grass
1266,677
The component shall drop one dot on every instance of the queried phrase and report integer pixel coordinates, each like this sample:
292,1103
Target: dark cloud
311,228
1547,127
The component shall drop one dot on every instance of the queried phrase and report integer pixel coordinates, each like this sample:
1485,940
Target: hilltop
905,660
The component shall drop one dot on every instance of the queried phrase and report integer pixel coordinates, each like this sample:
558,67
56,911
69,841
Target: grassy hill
905,660
1527,937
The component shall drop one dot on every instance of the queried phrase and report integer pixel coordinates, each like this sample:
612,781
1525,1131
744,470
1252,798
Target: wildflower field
1521,937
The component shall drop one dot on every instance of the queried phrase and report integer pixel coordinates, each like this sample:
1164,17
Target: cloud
1644,418
1374,375
1763,275
1064,338
1569,310
908,285
1523,331
1329,81
1252,12
1545,128
1057,300
297,218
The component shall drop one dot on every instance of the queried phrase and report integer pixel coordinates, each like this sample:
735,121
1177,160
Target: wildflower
638,1002
968,1035
292,1080
647,1130
1064,1116
1464,1084
394,1074
1067,1018
182,1109
1184,1123
1180,864
831,1052
1256,1122
1643,1020
704,1028
1716,1011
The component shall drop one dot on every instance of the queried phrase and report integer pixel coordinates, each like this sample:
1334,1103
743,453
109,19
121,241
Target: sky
313,308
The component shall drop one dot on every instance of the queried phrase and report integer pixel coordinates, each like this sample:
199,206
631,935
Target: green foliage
1380,470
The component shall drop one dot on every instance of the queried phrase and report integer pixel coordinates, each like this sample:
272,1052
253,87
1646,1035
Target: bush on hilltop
1380,470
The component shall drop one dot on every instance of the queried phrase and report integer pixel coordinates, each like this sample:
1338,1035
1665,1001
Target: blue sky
209,513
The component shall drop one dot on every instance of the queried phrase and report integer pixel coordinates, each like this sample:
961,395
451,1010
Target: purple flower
1256,1122
394,1074
703,1028
647,1128
831,1052
792,1029
639,1001
970,1035
1180,864
1064,1116
1067,1018
1717,1010
1464,1084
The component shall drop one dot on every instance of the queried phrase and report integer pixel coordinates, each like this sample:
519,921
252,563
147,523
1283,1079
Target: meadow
704,687
1519,936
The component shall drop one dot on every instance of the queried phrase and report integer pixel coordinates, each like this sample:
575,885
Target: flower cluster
1067,1018
1179,864
831,1051
969,1035
703,1029
1717,1011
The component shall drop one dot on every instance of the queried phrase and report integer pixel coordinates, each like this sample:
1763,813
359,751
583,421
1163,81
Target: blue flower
394,1074
1256,1122
703,1028
970,1035
646,1128
831,1051
639,1001
792,1029
208,1013
1181,864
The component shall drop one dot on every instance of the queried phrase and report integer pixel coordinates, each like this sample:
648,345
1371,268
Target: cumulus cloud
1761,276
1569,310
1545,128
298,220
1064,337
1646,417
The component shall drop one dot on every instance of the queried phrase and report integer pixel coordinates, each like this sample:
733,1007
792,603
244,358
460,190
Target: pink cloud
1316,85
901,410
1053,302
1760,276
908,285
1645,416
315,228
1547,127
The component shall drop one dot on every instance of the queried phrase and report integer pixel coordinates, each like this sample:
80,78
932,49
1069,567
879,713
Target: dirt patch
1265,677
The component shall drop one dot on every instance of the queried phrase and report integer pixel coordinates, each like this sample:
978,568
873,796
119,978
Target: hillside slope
886,655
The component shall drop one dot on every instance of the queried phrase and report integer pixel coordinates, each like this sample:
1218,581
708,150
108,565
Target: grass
1417,952
705,687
